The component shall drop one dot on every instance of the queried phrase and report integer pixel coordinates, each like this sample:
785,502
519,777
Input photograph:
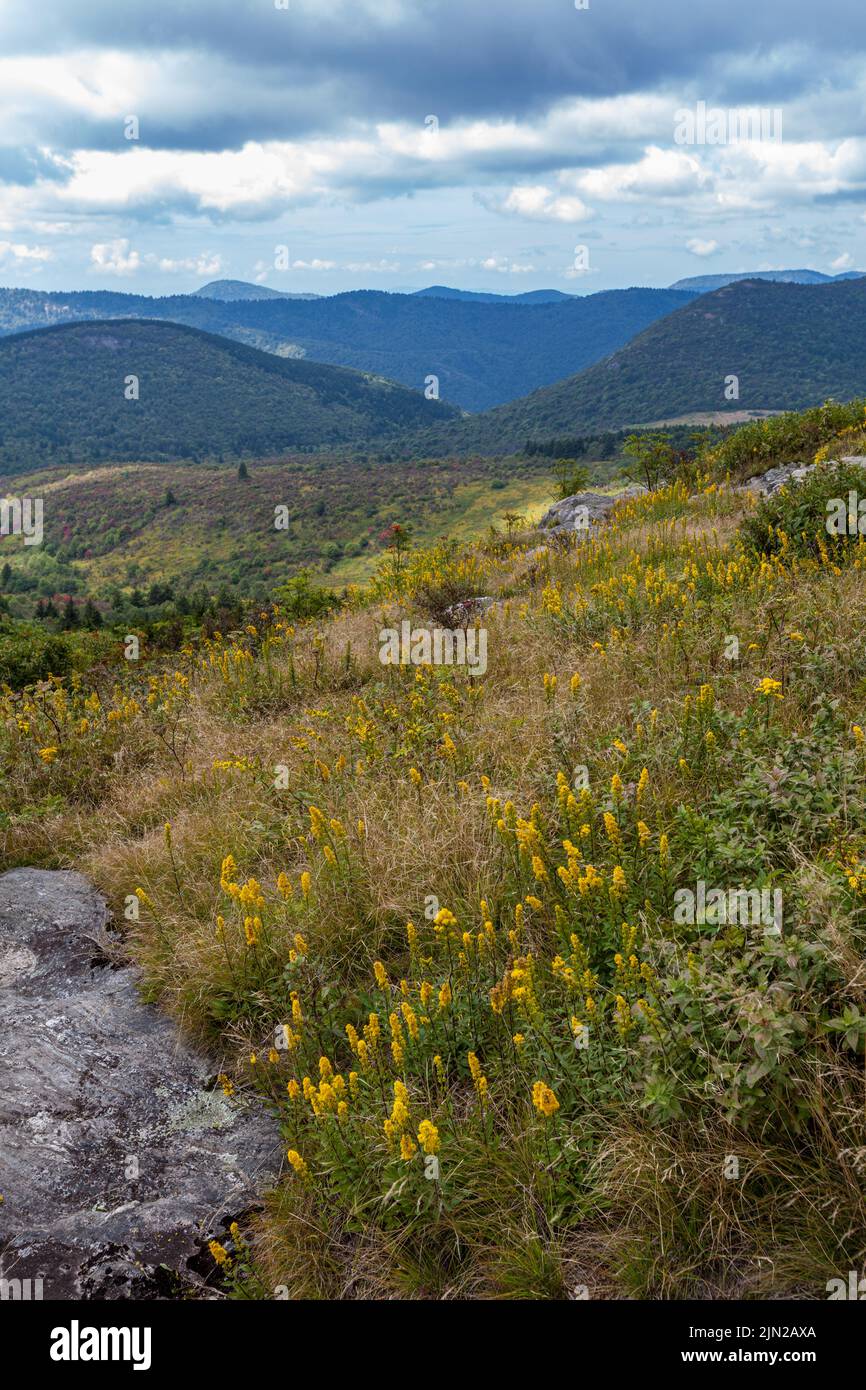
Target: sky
505,145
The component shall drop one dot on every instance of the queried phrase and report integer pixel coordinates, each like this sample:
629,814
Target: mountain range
229,290
485,297
482,354
484,350
753,345
703,283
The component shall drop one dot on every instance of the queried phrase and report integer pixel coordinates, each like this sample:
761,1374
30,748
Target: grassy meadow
121,525
435,919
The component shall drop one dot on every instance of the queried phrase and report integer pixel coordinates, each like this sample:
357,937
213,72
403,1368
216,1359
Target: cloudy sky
508,145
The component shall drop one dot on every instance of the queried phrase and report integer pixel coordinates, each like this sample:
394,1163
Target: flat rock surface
119,1154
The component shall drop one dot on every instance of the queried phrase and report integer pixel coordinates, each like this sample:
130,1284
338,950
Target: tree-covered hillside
68,395
789,346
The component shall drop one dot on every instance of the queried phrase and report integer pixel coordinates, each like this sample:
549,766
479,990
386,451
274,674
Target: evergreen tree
92,616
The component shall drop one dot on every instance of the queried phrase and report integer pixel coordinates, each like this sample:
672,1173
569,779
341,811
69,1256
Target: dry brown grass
660,1218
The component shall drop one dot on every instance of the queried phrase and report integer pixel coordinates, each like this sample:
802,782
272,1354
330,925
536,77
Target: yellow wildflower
769,687
544,1099
298,1164
428,1137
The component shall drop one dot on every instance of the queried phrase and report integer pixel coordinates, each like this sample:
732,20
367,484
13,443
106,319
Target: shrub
300,598
789,438
794,519
29,654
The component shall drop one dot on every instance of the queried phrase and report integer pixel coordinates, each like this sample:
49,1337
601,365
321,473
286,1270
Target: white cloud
262,179
660,173
701,248
542,204
14,254
503,265
374,267
205,264
115,257
843,262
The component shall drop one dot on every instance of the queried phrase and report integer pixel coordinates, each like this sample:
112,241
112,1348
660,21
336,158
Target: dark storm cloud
209,107
314,66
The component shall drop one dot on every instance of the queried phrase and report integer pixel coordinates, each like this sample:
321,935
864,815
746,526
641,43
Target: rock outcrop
120,1155
765,484
581,514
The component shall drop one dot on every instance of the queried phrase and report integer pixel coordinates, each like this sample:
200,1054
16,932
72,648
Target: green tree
570,477
300,598
654,459
398,540
91,617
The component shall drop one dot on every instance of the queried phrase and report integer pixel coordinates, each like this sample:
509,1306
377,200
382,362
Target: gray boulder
582,513
119,1153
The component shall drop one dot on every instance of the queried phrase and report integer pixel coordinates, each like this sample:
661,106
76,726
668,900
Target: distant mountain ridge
488,297
482,354
230,290
227,291
706,283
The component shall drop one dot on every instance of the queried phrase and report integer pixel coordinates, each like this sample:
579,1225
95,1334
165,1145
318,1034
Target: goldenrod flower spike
544,1099
298,1164
428,1137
